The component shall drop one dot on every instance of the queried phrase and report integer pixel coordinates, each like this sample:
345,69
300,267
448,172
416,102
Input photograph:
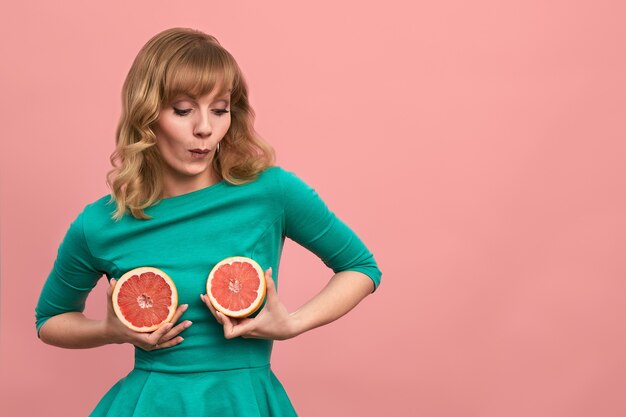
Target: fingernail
188,323
270,268
180,339
185,307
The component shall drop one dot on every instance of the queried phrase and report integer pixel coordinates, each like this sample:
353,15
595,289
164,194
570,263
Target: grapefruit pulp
144,298
236,286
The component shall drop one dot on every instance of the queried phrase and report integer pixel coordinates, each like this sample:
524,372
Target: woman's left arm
308,221
342,293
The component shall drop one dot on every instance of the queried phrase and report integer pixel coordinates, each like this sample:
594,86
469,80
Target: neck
175,186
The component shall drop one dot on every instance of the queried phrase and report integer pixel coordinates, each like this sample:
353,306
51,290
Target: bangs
199,71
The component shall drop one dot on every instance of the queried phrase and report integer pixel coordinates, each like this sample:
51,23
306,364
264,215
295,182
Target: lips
199,150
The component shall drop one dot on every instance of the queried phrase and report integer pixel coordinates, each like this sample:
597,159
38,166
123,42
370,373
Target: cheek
167,135
170,131
227,125
166,146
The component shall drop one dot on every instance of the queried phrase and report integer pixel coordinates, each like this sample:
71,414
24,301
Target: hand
273,322
163,337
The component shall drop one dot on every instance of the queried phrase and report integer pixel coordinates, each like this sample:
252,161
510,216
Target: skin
189,124
202,123
342,293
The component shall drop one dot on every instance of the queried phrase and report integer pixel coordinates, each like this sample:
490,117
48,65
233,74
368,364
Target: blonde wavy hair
179,61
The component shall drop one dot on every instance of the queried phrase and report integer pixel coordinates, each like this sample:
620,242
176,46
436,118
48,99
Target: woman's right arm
73,330
59,313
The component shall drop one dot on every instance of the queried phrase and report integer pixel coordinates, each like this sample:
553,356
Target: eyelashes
185,112
181,112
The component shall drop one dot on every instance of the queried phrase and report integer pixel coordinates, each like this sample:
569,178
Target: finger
156,335
206,301
236,327
169,343
111,286
179,312
270,286
176,330
228,324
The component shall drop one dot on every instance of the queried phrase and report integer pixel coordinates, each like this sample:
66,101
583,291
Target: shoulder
98,213
297,194
277,182
76,235
272,173
278,177
104,204
285,178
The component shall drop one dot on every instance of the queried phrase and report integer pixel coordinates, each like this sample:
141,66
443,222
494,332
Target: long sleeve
309,222
72,277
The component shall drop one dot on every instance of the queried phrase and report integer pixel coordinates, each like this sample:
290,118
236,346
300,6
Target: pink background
478,148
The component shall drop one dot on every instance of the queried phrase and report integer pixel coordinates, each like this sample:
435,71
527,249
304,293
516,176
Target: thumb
112,283
110,309
269,284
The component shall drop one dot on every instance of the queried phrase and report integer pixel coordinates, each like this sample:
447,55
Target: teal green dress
206,374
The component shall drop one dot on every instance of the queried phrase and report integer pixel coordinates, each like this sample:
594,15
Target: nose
203,126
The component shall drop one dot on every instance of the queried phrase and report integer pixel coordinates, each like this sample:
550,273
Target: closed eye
185,112
181,112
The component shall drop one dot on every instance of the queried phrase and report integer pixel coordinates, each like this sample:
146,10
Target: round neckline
189,196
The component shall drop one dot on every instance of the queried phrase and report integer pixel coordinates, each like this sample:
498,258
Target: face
187,133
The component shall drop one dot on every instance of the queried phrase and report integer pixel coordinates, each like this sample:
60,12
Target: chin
197,173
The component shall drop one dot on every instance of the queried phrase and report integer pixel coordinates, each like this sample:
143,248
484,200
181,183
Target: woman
193,184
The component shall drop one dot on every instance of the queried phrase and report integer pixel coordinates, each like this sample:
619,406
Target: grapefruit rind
261,291
139,271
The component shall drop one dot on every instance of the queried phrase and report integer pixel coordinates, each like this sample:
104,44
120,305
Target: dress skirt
245,392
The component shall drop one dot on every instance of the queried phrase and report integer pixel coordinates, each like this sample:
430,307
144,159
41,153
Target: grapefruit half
236,286
144,298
